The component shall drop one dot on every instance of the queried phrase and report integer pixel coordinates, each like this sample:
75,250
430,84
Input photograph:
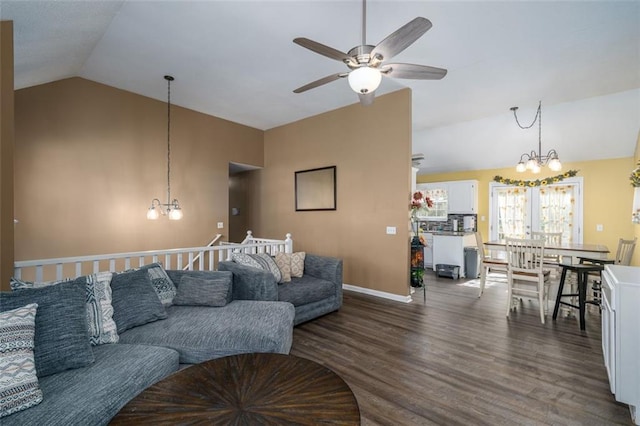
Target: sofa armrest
251,283
323,267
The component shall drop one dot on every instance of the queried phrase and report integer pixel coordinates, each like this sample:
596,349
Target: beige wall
607,197
371,148
6,153
89,158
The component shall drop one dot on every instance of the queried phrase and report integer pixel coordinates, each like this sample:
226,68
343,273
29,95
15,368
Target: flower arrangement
634,177
419,203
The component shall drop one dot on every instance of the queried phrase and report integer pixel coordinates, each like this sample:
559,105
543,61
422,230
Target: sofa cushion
62,337
293,263
94,394
203,292
260,261
102,328
162,284
135,301
307,289
19,388
201,333
283,260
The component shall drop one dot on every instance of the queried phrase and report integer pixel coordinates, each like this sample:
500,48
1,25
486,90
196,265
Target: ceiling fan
366,62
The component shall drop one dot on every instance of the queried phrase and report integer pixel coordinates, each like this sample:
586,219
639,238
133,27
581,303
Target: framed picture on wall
316,189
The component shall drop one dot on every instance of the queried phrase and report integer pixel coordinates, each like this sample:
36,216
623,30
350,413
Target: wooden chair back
625,251
525,256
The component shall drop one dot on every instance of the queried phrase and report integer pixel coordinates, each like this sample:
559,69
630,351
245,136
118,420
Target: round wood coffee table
248,389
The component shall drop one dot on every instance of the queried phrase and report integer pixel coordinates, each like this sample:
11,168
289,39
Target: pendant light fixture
534,161
171,208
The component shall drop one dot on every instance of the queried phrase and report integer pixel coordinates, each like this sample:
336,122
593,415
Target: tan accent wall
89,158
607,197
6,153
371,147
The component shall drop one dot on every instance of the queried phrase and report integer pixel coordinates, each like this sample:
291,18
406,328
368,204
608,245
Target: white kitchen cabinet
621,333
428,250
463,196
458,196
449,250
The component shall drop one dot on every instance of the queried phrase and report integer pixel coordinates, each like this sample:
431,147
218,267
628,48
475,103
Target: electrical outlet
391,230
220,225
599,227
482,218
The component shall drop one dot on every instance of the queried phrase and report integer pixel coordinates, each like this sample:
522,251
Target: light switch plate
220,225
391,230
599,227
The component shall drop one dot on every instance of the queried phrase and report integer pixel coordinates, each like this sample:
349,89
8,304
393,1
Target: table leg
560,287
582,296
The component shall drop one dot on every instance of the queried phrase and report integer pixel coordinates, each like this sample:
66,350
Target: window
438,196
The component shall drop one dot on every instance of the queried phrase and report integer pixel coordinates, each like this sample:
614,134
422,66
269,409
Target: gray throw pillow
194,291
260,261
162,284
62,337
102,328
135,301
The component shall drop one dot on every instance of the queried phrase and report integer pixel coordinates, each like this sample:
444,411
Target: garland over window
537,182
634,178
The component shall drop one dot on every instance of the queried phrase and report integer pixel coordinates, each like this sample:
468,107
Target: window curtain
557,210
513,210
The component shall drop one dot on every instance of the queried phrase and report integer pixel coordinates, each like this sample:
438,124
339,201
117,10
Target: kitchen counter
450,233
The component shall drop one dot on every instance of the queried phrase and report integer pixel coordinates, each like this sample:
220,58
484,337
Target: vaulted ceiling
236,60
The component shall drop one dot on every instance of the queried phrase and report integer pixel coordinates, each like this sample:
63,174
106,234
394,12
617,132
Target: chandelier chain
169,140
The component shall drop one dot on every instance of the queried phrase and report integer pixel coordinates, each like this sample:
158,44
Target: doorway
516,211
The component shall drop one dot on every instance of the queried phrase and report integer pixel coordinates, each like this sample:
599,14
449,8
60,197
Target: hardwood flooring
457,360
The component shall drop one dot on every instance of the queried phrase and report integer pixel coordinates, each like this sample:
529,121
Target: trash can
471,262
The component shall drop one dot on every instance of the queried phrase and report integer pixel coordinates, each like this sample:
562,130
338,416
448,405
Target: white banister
50,269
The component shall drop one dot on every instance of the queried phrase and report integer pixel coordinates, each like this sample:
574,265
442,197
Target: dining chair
525,273
487,263
624,253
550,239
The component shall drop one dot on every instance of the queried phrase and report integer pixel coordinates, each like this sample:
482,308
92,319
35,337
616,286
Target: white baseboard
377,293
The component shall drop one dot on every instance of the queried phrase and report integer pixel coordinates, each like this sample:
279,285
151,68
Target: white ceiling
236,60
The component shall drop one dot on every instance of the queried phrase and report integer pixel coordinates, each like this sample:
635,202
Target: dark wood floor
457,360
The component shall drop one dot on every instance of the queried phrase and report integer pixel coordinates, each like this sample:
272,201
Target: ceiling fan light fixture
364,79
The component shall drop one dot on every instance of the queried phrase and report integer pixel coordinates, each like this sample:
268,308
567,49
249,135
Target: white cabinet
463,196
621,333
449,250
458,196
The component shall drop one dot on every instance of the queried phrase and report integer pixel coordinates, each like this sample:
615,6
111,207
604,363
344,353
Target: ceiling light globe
521,167
364,79
152,213
531,164
555,165
536,168
175,213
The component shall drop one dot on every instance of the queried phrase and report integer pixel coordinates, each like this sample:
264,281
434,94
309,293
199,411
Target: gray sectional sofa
107,376
317,292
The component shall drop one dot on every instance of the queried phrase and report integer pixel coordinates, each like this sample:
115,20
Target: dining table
573,250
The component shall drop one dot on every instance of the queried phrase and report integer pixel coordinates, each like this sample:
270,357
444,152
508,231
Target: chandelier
534,161
171,208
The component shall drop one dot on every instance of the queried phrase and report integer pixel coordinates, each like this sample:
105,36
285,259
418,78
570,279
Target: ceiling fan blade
366,99
320,82
320,48
412,71
402,38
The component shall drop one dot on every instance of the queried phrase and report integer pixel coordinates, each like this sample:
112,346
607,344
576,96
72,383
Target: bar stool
581,270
